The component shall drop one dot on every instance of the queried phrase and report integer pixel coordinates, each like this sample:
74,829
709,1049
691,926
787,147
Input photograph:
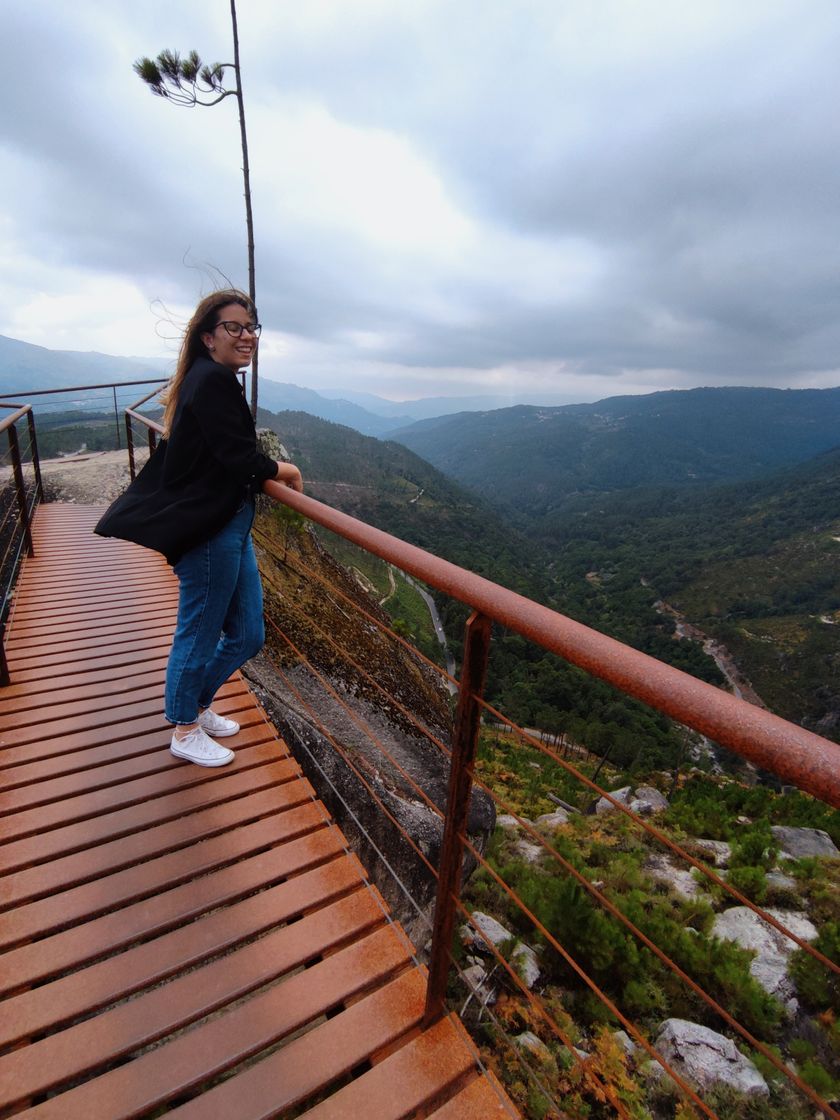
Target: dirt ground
92,478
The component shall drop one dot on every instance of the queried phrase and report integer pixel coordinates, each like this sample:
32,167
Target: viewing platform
178,940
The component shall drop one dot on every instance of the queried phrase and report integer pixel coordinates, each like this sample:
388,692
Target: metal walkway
177,940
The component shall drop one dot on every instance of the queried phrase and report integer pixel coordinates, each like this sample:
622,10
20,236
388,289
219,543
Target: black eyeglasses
235,330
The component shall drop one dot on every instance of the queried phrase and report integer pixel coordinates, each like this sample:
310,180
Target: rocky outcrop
644,800
604,805
508,822
680,879
476,978
719,851
772,949
630,1048
707,1059
550,821
530,853
490,932
532,1045
800,843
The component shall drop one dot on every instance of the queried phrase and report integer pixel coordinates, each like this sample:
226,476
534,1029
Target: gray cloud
675,186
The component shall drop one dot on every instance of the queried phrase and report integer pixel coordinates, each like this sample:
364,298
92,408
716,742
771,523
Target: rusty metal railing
798,756
153,429
17,505
473,590
107,397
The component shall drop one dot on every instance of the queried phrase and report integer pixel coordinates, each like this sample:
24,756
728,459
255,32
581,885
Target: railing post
464,740
36,461
4,665
14,447
117,417
129,443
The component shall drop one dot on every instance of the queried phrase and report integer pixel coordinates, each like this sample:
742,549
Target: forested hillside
755,565
533,459
630,498
396,490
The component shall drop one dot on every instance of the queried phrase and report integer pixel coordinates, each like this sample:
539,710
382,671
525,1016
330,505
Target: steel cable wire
345,844
10,512
405,890
532,998
13,539
652,831
380,854
303,569
363,726
663,839
765,1051
659,836
376,684
400,828
517,980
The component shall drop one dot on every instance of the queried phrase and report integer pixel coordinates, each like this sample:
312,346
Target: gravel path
93,478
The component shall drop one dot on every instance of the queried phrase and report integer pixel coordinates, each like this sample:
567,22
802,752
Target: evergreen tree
188,81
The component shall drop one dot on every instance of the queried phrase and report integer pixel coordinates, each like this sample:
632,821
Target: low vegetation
613,853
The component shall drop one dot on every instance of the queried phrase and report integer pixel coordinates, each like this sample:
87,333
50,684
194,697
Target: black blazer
196,479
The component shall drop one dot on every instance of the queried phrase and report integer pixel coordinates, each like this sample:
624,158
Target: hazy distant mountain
391,487
24,367
428,407
532,459
278,396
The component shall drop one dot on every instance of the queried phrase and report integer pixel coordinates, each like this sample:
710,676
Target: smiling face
225,348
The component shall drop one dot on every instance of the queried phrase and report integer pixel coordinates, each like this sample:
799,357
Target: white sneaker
216,725
199,748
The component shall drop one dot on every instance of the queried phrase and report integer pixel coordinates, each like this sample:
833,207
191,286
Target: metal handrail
798,756
85,388
25,511
153,430
112,385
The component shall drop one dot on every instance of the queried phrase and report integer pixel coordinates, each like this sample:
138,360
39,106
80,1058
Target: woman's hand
289,475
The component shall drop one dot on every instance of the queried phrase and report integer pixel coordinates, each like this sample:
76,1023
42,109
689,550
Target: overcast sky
568,198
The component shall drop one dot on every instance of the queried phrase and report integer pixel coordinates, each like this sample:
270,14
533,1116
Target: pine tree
190,82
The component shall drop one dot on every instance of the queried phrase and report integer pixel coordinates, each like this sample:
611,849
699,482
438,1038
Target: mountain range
535,459
24,367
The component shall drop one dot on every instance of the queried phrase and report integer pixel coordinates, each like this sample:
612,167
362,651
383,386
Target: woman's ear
207,339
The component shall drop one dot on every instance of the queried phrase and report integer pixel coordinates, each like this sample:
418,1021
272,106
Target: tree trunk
249,216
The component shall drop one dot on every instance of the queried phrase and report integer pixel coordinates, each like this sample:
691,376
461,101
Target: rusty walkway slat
173,939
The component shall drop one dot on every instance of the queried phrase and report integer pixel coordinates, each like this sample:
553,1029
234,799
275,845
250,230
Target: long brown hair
203,320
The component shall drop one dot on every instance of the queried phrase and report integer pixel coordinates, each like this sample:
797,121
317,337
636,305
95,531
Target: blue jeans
220,617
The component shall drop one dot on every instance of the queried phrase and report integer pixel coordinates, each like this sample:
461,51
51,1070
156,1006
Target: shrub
818,986
750,881
755,847
818,1078
800,1049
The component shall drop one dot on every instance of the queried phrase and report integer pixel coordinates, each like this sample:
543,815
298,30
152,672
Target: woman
194,502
